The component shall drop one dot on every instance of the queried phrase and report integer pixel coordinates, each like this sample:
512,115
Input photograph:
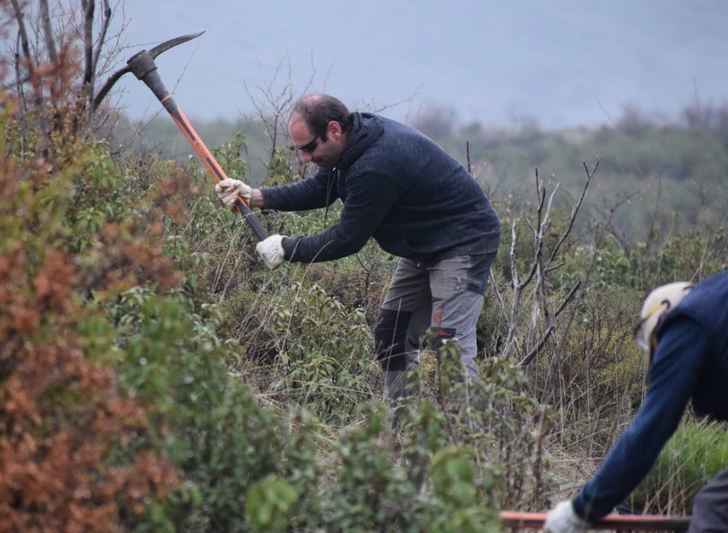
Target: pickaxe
143,67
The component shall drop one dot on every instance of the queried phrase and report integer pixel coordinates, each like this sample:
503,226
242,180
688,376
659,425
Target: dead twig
542,264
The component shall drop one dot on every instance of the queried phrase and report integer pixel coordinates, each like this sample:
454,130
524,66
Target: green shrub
324,354
434,489
209,423
368,493
269,502
500,421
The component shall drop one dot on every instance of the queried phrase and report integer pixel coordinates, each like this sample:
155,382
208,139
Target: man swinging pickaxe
143,67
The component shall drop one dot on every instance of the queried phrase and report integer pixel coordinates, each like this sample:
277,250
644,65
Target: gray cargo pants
445,296
710,506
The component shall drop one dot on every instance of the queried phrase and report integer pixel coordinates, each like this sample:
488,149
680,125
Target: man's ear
333,129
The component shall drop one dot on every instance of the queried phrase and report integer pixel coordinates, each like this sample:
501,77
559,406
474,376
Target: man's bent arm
677,363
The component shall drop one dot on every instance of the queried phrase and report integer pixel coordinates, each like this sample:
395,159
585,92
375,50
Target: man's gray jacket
397,186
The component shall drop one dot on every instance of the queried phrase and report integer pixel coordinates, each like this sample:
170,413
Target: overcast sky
560,62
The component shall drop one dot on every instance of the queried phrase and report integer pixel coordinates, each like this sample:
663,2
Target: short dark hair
318,110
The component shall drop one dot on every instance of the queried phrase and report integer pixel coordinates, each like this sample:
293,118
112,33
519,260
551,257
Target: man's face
326,154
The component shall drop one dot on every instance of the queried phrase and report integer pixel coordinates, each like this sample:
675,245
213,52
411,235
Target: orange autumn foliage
72,456
61,416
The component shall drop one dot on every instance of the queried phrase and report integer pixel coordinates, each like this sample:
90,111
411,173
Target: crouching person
684,330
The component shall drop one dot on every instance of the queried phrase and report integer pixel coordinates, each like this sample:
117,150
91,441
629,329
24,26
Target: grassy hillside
155,376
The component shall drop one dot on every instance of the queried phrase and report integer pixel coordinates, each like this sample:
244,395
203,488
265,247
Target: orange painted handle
623,522
211,163
150,77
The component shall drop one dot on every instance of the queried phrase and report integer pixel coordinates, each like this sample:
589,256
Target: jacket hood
366,129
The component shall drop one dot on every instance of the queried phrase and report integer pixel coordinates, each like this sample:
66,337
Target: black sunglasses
309,147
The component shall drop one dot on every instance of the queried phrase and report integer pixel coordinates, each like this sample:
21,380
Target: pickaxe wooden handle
621,522
143,67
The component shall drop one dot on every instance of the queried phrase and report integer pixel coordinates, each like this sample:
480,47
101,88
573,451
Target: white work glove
271,250
563,519
229,190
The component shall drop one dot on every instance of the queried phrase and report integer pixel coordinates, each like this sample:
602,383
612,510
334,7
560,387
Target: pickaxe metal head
141,64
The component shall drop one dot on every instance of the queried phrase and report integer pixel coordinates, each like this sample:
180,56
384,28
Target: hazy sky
560,62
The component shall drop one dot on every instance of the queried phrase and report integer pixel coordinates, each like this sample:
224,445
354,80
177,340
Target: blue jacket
398,187
690,362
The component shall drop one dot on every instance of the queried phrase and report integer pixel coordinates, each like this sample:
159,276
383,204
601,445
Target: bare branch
88,7
574,211
517,289
48,31
551,329
23,34
105,21
534,351
514,269
541,301
531,273
568,298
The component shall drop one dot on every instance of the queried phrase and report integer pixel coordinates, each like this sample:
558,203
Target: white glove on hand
271,250
563,519
229,189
